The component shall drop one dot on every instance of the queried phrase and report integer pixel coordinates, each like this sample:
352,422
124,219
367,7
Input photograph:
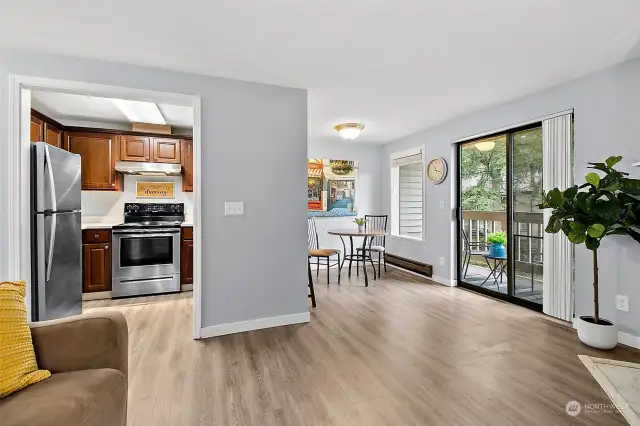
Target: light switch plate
622,303
441,205
233,208
442,261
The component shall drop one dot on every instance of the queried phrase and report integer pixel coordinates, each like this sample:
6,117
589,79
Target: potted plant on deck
601,207
496,241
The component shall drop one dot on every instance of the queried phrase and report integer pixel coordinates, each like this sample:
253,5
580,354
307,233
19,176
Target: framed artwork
331,187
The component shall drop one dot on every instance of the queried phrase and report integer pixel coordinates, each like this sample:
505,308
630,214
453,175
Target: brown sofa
87,356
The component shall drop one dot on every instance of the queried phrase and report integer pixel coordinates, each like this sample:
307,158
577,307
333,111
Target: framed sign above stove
155,189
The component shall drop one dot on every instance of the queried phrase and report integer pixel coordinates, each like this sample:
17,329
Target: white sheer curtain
557,286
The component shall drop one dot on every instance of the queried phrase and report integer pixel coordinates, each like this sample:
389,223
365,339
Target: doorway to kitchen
74,140
500,228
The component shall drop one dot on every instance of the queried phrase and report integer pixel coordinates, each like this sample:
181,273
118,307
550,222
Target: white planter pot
360,228
600,336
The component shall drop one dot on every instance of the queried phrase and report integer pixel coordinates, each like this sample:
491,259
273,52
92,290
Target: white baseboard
433,278
442,280
624,338
257,324
629,339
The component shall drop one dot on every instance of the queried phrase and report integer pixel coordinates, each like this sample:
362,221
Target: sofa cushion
86,397
18,367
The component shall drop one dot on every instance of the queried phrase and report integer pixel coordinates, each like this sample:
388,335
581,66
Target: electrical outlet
622,303
441,205
232,208
442,261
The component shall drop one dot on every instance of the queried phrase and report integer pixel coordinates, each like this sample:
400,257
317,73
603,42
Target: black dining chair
317,253
472,248
312,293
378,245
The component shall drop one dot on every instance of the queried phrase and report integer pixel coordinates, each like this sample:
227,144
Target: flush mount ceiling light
349,130
485,146
140,112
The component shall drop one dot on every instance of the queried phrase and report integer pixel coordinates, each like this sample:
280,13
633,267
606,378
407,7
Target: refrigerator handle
52,184
52,241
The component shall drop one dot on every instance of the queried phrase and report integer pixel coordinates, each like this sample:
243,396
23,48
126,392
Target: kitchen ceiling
77,108
396,66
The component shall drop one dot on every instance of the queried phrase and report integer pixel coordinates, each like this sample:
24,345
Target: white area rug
621,381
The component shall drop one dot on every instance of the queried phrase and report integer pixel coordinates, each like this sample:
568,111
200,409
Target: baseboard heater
409,264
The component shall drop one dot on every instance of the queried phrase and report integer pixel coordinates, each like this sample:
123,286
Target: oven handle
146,231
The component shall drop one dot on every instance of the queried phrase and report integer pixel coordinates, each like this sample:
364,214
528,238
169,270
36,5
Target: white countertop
100,225
109,225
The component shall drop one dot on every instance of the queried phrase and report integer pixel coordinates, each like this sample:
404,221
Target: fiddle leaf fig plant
604,205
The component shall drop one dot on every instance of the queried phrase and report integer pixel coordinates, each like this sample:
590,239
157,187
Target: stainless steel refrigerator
56,231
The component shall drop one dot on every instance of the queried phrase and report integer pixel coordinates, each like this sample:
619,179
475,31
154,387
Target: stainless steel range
146,250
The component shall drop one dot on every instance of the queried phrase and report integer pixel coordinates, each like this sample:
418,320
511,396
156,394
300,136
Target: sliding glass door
499,226
528,228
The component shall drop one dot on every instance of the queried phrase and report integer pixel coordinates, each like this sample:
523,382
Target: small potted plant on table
496,241
360,221
606,206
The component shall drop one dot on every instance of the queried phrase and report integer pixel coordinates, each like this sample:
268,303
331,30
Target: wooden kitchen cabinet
186,262
96,267
165,150
135,148
37,129
53,135
98,152
187,165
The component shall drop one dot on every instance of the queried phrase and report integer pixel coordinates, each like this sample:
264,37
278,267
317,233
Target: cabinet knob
107,246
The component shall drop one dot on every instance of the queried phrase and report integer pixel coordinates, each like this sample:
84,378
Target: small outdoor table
496,270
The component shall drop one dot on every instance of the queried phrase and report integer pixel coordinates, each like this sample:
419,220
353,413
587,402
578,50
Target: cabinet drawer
96,236
187,233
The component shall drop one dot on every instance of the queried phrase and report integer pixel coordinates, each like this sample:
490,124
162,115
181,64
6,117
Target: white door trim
17,162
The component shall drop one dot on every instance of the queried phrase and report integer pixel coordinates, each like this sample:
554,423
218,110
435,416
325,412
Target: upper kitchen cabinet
187,165
135,148
53,135
43,131
98,152
37,129
165,150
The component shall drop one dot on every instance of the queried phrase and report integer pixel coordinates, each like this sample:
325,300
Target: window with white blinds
408,196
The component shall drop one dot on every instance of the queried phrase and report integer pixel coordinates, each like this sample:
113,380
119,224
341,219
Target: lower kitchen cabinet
186,264
96,267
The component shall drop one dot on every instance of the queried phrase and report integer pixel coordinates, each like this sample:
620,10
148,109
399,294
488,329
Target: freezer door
59,269
57,178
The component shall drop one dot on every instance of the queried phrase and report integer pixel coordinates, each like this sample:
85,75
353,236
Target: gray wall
253,266
607,108
369,185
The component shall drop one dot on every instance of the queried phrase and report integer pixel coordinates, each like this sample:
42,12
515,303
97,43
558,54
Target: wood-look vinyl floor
401,352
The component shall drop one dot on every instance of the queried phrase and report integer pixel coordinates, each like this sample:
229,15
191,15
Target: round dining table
366,235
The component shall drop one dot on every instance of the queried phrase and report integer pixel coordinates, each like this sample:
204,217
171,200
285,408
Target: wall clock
437,170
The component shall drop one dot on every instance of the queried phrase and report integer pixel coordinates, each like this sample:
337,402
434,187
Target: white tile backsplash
108,206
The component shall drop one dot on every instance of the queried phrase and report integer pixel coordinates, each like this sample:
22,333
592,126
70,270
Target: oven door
146,253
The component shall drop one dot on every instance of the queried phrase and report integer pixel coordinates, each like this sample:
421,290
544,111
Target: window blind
409,159
410,196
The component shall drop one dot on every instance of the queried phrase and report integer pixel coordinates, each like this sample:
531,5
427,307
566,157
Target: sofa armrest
82,342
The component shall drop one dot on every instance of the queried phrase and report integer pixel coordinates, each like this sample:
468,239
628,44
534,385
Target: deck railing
528,235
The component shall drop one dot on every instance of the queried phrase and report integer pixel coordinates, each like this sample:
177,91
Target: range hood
148,169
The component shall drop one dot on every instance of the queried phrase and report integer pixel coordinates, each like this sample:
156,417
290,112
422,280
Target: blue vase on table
497,250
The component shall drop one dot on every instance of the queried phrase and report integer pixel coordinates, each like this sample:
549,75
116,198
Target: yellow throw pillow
18,367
